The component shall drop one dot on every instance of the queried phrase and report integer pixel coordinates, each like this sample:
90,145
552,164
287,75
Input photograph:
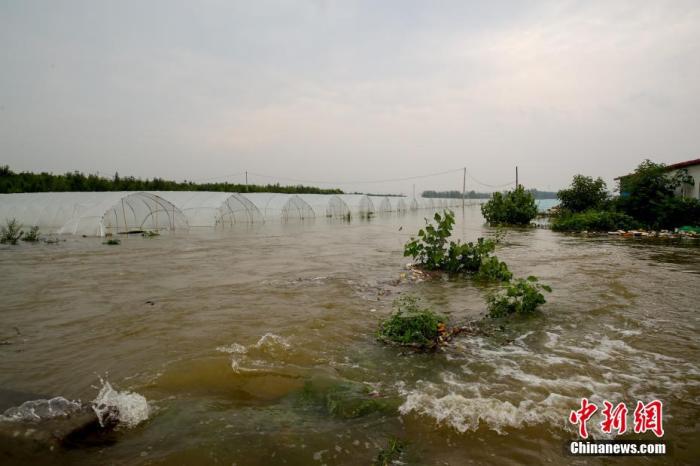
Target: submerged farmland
256,343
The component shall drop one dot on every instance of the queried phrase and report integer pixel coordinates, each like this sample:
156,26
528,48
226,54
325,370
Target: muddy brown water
255,346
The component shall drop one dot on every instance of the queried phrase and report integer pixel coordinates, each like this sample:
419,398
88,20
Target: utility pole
246,181
516,177
414,190
464,185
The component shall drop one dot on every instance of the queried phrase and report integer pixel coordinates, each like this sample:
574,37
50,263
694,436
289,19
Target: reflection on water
256,345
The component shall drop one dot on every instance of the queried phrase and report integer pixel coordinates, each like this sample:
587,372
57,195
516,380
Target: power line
489,185
390,180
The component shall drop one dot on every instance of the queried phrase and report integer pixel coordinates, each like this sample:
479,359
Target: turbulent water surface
256,346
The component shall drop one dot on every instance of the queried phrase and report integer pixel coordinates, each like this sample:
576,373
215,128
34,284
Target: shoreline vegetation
647,202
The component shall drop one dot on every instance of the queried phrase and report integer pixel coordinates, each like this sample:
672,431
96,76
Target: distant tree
583,194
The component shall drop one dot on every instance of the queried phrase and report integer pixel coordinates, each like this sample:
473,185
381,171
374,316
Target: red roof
675,166
687,163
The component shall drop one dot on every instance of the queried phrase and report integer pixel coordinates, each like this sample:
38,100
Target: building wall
694,190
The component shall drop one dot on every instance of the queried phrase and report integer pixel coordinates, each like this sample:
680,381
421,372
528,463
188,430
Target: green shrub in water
492,269
11,233
112,242
149,233
521,296
411,324
429,249
32,236
432,251
515,207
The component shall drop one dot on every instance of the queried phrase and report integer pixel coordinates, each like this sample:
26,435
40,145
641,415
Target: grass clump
521,296
149,233
11,232
432,251
391,454
113,242
412,325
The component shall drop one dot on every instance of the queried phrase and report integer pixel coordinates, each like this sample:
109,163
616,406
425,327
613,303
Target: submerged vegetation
391,454
112,242
11,232
515,207
32,236
412,325
432,251
521,296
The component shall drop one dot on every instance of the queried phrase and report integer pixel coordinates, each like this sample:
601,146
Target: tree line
27,182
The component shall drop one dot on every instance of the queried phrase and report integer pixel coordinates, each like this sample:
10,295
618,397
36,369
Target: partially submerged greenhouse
360,205
212,209
92,213
381,204
277,206
399,204
326,205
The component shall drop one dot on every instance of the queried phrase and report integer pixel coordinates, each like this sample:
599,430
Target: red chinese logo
647,417
582,416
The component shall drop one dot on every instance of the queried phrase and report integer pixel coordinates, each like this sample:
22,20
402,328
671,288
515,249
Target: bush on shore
593,220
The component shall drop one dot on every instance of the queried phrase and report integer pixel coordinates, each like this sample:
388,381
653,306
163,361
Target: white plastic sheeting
92,213
326,205
211,208
398,204
360,205
381,204
277,206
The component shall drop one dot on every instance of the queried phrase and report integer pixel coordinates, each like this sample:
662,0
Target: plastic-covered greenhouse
360,205
211,209
325,205
381,204
399,204
276,206
92,213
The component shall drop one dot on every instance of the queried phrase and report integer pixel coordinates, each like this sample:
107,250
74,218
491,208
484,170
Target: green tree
515,207
583,194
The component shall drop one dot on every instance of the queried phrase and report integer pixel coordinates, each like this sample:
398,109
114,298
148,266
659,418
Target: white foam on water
463,413
234,348
126,408
40,410
258,356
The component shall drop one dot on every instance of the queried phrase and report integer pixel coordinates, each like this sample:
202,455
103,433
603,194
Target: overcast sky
343,91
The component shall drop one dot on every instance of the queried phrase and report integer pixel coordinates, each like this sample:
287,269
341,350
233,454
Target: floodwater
256,346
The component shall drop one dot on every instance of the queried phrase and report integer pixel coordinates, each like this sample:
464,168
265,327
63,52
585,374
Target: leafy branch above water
431,250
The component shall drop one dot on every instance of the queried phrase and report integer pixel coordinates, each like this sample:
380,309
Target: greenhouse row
105,213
